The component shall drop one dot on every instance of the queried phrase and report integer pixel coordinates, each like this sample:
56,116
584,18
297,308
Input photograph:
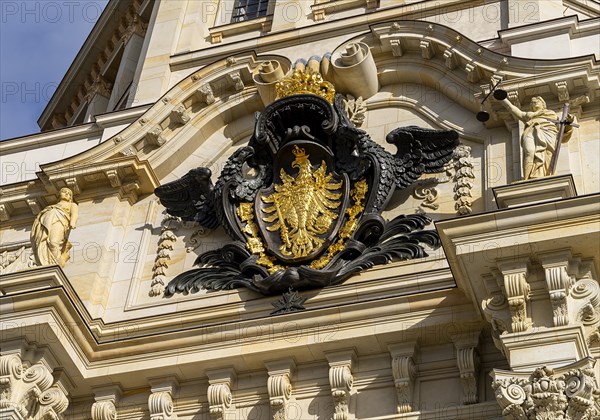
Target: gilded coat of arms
309,216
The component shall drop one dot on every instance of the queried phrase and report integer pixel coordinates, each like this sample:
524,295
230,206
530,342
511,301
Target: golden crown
305,81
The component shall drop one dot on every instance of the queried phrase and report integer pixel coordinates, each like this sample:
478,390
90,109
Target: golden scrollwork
358,194
253,241
305,81
302,206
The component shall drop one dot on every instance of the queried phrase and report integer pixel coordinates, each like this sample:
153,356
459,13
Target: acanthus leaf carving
405,373
569,392
30,390
341,381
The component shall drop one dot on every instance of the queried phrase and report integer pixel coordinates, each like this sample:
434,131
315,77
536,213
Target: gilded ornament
305,81
302,206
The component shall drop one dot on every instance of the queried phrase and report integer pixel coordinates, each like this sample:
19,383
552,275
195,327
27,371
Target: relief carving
166,241
569,392
31,390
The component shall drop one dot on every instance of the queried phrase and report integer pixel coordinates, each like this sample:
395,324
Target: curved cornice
440,57
404,52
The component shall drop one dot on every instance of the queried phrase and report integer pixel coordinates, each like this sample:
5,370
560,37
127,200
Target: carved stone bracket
155,136
220,397
30,390
404,372
341,381
235,79
105,407
562,89
73,185
467,359
558,283
450,59
205,94
427,50
180,115
160,401
516,290
396,45
473,72
34,205
569,392
279,386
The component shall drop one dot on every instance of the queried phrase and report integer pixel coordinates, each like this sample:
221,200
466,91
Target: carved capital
569,392
279,386
30,390
136,26
404,372
220,397
341,381
100,86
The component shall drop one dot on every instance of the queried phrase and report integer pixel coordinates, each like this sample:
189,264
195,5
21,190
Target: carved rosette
570,392
30,390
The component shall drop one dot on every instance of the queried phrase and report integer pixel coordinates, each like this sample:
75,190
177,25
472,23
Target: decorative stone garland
166,241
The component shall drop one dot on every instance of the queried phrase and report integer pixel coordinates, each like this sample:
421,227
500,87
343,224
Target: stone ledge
535,191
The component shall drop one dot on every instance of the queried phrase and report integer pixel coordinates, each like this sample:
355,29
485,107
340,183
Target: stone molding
341,381
569,392
405,373
30,390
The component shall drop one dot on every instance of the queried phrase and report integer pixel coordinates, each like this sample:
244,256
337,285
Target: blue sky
38,42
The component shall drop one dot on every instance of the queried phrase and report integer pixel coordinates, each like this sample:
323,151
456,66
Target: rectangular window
249,9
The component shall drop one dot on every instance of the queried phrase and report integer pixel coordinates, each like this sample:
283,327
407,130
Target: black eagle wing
190,197
420,150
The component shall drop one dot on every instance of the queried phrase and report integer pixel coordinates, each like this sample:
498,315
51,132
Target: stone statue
51,228
539,136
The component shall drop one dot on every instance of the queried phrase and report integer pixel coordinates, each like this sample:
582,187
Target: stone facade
501,322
